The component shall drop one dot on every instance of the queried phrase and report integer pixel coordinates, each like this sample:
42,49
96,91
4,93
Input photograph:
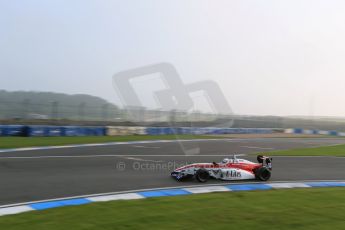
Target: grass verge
334,150
20,142
321,208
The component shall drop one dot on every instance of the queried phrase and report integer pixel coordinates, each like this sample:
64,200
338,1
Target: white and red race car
229,169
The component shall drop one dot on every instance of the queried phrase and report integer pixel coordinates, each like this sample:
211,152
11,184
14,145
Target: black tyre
202,175
263,174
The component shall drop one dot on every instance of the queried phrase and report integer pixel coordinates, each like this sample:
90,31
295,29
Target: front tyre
202,175
263,174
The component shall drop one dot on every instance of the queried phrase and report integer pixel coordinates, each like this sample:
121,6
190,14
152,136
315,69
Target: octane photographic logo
175,97
148,165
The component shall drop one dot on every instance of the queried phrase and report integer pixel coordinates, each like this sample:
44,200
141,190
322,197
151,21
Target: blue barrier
298,131
51,131
314,132
70,131
184,130
54,131
233,131
12,130
44,131
37,131
200,131
57,131
333,133
151,131
83,131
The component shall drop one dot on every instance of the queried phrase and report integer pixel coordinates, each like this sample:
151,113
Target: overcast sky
269,57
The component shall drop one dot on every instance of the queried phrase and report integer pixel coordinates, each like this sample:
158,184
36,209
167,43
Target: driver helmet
225,160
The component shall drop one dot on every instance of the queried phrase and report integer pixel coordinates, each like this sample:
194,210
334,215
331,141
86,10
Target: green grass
334,150
295,209
19,142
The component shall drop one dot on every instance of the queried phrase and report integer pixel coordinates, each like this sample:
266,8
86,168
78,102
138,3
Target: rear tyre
263,174
202,175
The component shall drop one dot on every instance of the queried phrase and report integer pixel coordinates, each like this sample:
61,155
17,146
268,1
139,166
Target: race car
229,169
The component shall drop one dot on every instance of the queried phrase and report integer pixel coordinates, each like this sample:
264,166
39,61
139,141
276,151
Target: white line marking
254,147
145,147
109,144
139,159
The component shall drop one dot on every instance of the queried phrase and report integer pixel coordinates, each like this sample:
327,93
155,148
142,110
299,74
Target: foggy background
269,57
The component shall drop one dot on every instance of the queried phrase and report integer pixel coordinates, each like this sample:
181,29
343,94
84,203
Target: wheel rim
265,174
203,175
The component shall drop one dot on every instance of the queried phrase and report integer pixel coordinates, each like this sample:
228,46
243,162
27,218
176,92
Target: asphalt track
56,173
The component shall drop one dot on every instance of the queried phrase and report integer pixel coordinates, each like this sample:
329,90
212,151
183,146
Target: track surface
56,173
